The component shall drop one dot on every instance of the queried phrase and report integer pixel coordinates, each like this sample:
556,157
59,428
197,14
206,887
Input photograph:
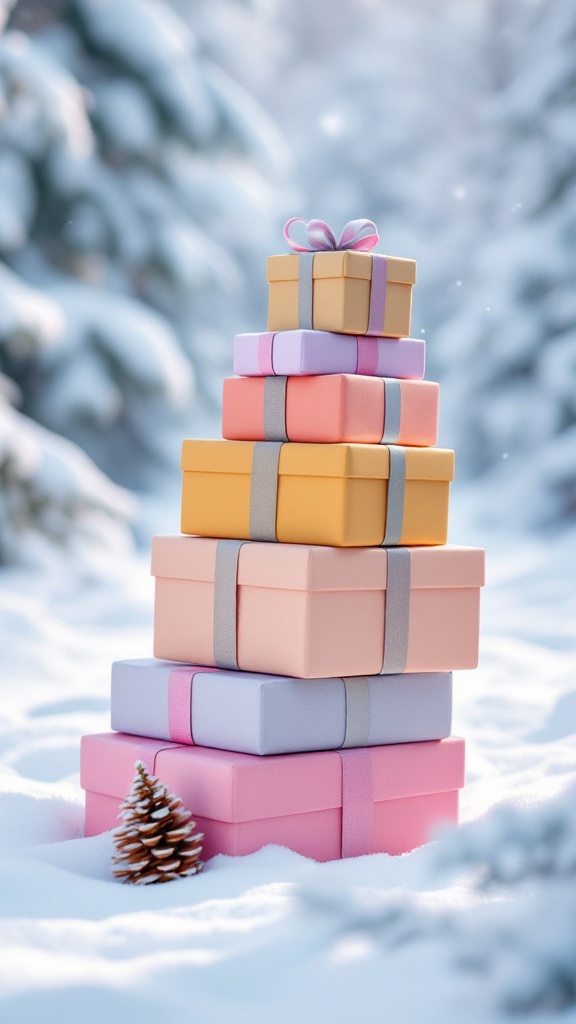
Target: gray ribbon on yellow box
264,492
275,427
357,694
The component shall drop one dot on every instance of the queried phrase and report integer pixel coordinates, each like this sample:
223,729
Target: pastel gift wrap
343,291
323,805
311,611
345,495
297,353
331,409
264,714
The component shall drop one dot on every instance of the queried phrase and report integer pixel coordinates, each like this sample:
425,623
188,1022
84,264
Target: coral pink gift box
323,805
365,410
312,611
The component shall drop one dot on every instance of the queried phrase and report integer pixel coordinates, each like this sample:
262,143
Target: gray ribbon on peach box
395,626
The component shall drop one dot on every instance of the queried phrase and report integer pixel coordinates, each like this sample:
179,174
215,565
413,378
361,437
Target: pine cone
157,841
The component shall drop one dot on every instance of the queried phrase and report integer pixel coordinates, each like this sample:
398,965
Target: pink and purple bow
356,234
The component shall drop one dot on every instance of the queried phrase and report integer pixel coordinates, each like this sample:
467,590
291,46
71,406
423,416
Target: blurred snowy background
151,150
150,153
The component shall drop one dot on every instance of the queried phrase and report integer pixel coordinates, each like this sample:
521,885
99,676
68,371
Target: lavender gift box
267,714
294,353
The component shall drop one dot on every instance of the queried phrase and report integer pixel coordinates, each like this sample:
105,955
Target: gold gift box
335,494
341,293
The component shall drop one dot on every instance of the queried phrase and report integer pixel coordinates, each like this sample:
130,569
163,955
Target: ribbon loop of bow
356,234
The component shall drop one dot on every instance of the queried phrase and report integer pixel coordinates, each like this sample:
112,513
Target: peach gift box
363,410
345,495
347,292
323,805
297,353
311,611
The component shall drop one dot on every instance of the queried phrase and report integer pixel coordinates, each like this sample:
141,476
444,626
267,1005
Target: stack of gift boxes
308,619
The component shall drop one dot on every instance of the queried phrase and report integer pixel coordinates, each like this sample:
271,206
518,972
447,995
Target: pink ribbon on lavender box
180,683
367,360
265,353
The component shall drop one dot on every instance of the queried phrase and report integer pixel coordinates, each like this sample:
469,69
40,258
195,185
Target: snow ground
478,926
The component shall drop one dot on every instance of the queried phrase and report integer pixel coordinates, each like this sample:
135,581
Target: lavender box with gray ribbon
266,714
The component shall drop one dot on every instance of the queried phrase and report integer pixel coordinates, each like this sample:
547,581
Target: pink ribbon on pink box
357,802
357,775
180,683
265,353
359,235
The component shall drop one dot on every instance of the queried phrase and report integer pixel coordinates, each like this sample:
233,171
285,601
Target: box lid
343,263
234,787
370,461
312,567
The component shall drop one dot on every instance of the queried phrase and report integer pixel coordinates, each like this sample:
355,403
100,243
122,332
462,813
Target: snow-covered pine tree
53,499
520,940
157,841
136,202
510,353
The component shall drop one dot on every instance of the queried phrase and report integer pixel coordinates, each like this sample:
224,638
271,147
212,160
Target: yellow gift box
341,293
343,495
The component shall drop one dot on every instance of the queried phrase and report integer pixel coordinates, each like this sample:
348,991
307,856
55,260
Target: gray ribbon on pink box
275,426
275,408
359,235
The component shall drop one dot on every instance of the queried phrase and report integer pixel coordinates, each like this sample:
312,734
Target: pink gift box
364,410
290,353
323,805
312,611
